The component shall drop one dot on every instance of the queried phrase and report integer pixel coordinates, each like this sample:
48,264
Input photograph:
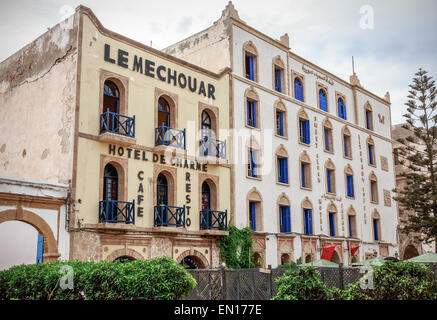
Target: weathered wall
37,104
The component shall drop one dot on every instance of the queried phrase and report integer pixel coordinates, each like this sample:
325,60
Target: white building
300,123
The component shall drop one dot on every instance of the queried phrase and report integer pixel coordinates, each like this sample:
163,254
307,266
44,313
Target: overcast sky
325,32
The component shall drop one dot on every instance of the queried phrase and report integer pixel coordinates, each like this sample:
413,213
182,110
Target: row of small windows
251,67
284,212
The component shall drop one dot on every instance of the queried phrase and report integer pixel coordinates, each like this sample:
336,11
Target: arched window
368,114
298,89
254,202
110,183
281,119
371,151
163,112
327,135
349,177
207,146
111,97
282,164
332,219
323,100
373,188
206,196
307,211
278,74
347,143
305,171
330,176
304,127
253,158
376,224
250,61
341,109
252,108
206,120
161,190
352,226
284,213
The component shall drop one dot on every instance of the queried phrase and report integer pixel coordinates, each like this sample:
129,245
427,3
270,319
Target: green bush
395,281
301,284
155,279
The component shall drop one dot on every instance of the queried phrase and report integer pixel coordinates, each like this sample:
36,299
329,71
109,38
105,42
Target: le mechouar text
163,73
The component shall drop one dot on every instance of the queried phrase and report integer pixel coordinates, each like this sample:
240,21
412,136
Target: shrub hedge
301,284
155,279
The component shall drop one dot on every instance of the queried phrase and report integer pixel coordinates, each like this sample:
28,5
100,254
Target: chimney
285,40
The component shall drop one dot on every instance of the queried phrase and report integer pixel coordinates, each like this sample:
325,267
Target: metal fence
259,284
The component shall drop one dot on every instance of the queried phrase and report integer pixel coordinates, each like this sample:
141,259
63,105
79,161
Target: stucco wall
37,103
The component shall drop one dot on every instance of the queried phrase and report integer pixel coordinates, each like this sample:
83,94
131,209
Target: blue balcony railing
213,219
117,123
169,216
170,137
115,211
212,147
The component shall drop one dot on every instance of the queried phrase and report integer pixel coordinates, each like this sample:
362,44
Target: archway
195,260
410,252
308,258
285,258
50,244
124,254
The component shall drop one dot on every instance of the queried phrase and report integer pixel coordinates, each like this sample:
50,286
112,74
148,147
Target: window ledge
351,198
252,128
305,144
306,188
116,138
259,178
347,158
282,137
283,184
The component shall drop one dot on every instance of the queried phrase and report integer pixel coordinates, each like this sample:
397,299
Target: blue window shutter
328,178
254,164
281,123
305,221
331,224
251,76
310,221
254,113
349,181
367,119
339,108
350,226
302,167
253,215
370,154
287,219
285,161
40,249
298,90
344,112
323,101
307,131
375,229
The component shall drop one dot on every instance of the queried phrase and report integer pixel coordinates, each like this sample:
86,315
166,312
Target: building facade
311,153
136,137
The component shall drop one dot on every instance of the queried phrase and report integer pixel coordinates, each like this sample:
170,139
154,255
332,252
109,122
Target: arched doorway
206,196
190,262
110,192
335,257
161,190
410,252
285,258
124,259
308,258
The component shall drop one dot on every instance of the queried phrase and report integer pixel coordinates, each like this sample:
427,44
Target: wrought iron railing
213,219
170,137
117,123
169,216
115,211
212,147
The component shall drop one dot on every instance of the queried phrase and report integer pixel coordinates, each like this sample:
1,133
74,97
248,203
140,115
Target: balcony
169,216
213,219
115,211
210,147
166,136
117,128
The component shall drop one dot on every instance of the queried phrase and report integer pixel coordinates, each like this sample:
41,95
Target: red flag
327,253
354,250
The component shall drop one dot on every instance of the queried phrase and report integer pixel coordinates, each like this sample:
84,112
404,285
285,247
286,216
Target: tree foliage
236,248
418,153
155,279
